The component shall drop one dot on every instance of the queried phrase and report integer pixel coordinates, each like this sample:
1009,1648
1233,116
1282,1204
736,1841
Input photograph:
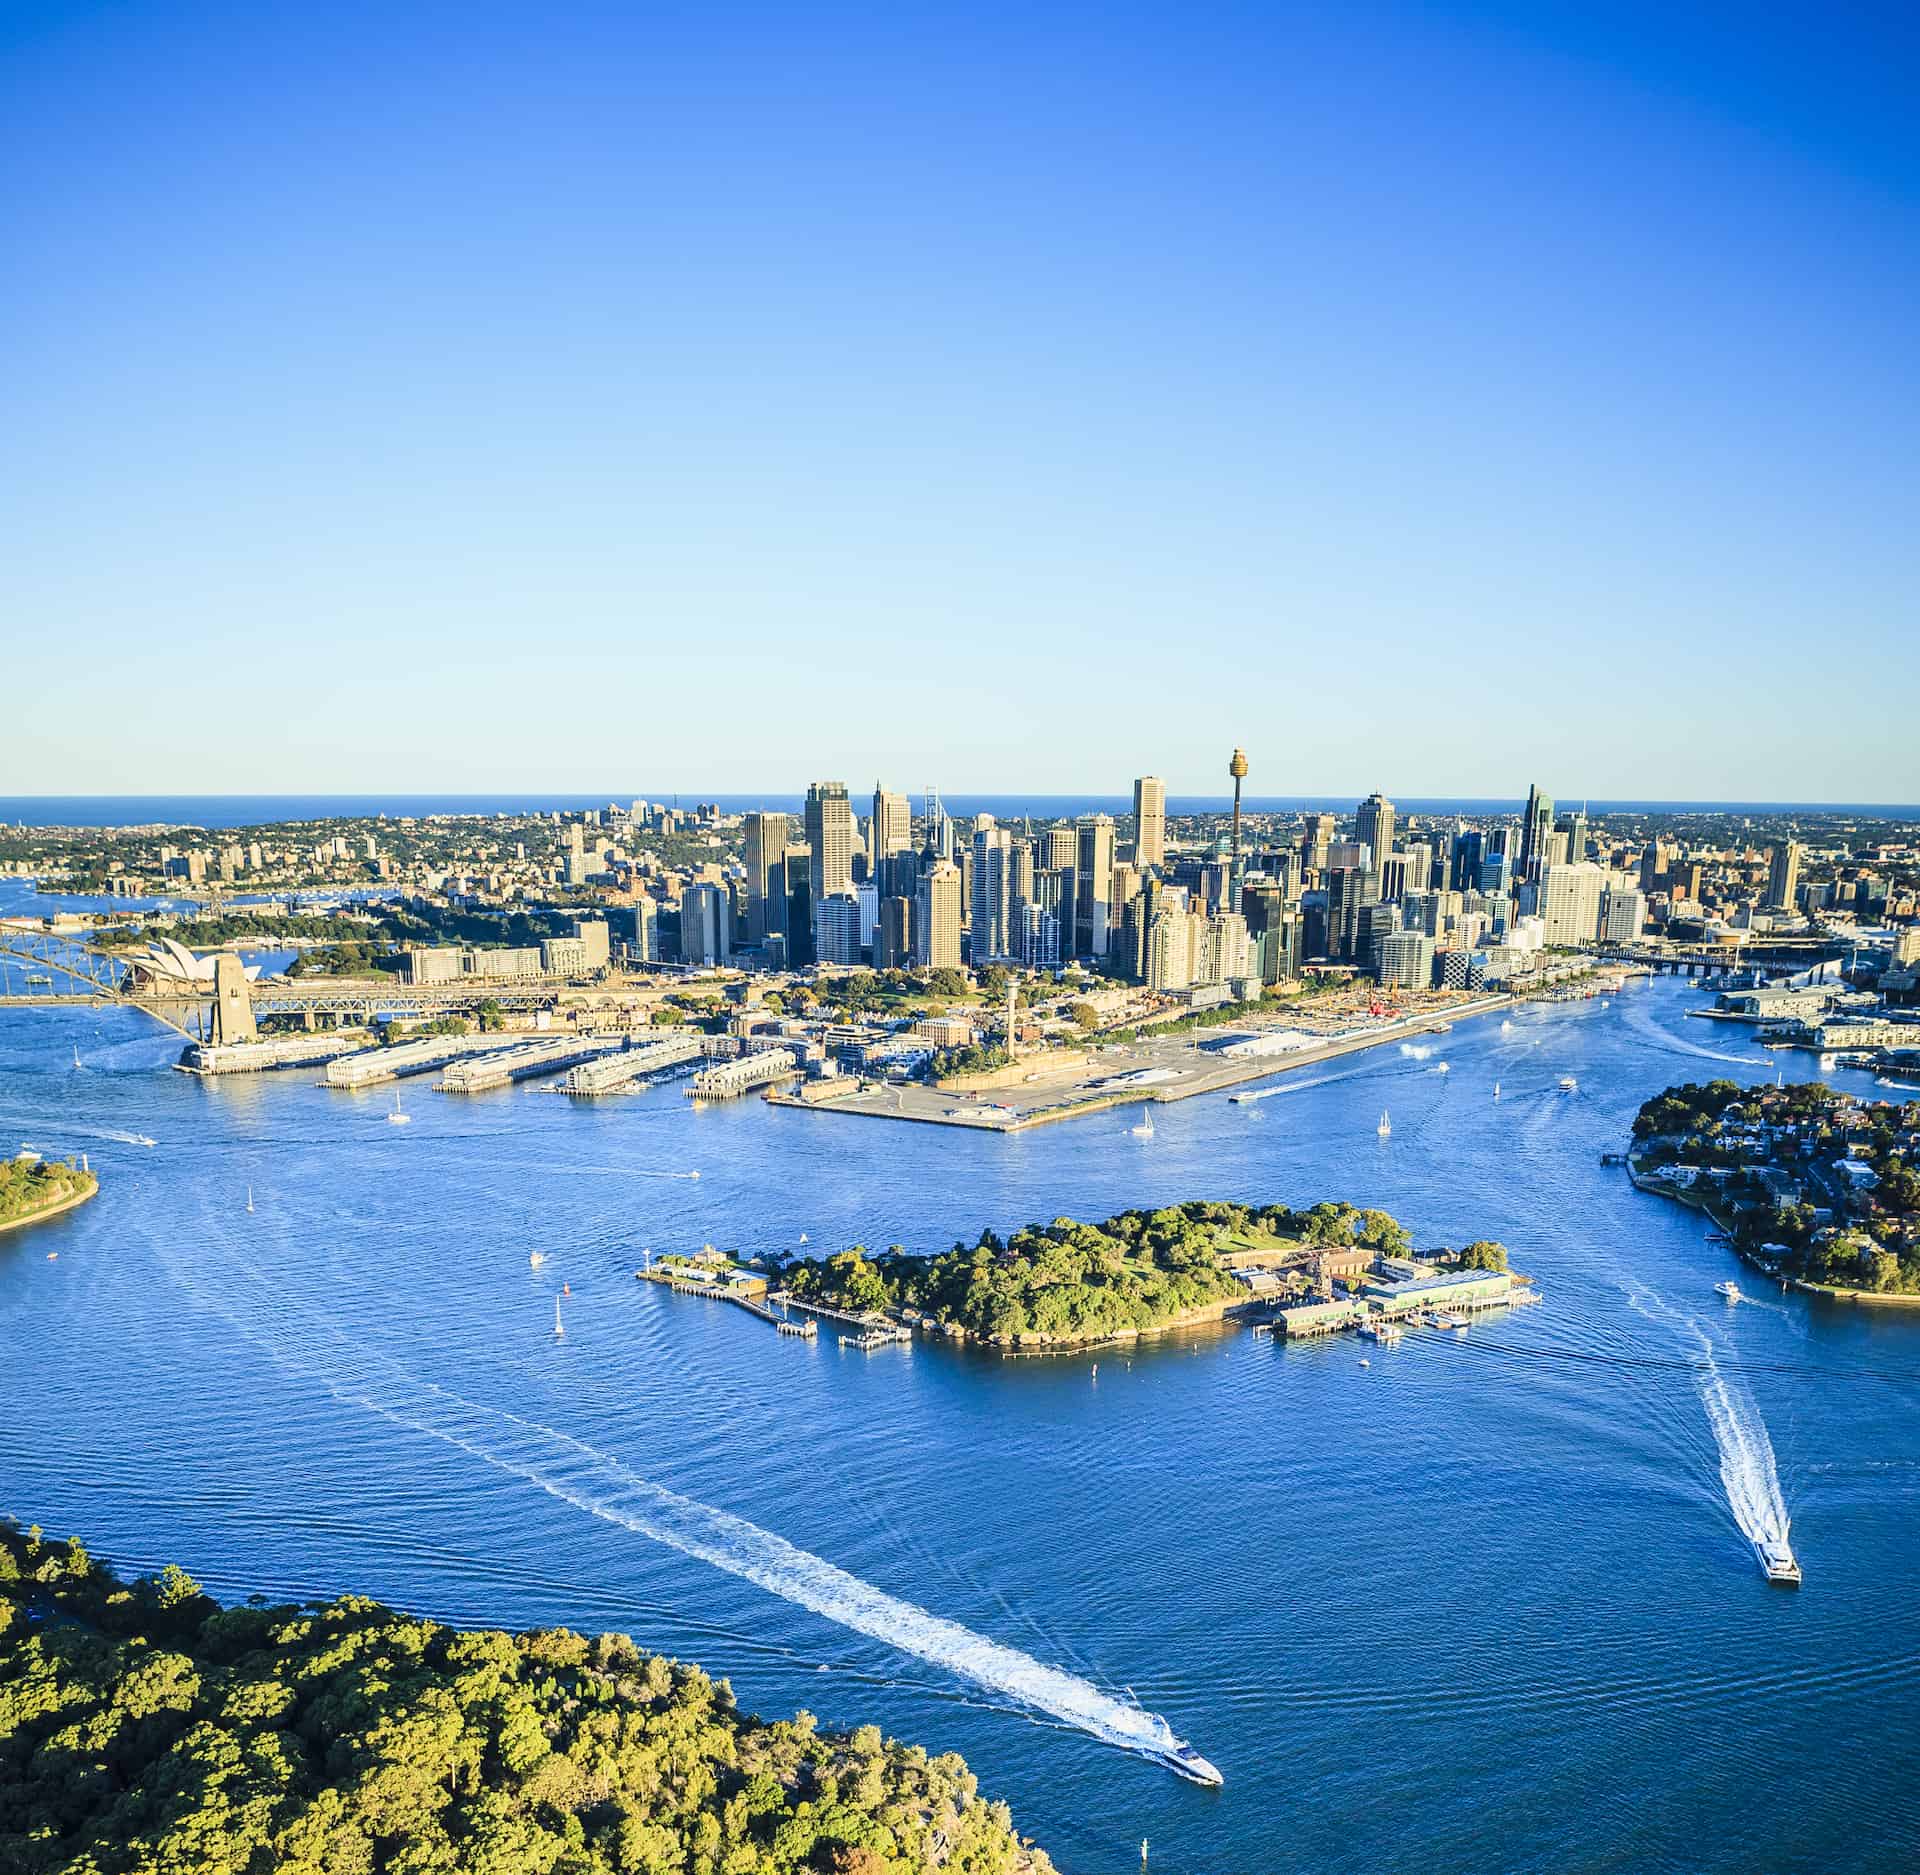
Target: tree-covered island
32,1187
145,1729
1067,1283
1810,1185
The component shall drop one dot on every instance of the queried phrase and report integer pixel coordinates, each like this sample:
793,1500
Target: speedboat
1777,1561
1730,1290
1189,1764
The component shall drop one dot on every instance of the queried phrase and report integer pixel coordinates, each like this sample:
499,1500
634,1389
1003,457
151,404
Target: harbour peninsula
1817,1189
33,1189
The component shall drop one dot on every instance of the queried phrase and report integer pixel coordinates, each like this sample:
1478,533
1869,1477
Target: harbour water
1486,1602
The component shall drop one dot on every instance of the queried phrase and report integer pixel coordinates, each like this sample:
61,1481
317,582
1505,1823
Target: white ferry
1777,1561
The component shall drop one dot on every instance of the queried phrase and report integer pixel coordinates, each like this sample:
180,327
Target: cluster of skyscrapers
1408,905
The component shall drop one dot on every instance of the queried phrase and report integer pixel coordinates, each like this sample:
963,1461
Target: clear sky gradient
1428,397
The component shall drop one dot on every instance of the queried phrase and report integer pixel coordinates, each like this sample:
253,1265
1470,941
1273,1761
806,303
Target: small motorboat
1568,1083
1730,1290
1190,1765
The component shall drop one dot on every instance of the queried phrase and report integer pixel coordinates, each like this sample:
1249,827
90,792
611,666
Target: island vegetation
1809,1184
143,1728
1067,1282
32,1187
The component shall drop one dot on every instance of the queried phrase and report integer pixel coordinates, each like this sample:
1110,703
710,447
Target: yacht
1145,1129
558,1329
1385,1128
1568,1083
1189,1764
1496,1090
249,1197
1777,1561
1442,1068
397,1117
1730,1290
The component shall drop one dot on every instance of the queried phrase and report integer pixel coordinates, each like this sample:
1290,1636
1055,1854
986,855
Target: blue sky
440,397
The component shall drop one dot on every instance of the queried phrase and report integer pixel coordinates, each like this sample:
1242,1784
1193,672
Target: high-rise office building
1169,958
893,935
936,918
1404,960
1093,886
796,870
990,901
1623,915
1534,830
1316,840
1783,876
1059,848
706,925
1373,825
1373,923
1039,938
1569,903
836,924
1348,888
766,846
890,831
1150,821
829,823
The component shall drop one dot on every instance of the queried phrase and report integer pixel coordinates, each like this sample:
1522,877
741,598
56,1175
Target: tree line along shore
32,1188
1812,1186
144,1728
1069,1284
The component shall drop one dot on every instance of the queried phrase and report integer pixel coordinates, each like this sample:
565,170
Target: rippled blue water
1479,1604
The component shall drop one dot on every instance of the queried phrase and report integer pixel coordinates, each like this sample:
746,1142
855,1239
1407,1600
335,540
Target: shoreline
53,1210
1221,1079
1857,1298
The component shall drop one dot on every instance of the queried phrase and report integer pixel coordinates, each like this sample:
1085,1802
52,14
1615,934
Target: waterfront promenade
1151,1069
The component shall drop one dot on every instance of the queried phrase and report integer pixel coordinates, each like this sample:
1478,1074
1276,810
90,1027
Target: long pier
743,1074
519,1064
616,1074
875,1330
719,1292
269,1052
370,1066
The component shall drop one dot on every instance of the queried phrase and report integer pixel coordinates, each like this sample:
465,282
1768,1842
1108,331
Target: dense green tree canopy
144,1729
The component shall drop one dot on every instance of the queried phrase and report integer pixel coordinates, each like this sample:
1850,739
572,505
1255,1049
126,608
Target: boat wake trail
1747,1471
1746,1456
598,1483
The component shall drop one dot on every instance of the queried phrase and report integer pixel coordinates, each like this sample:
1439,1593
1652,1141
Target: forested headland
145,1730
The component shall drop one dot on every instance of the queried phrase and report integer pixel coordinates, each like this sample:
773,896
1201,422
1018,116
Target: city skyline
427,403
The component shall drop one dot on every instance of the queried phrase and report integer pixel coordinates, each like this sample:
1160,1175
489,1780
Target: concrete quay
1159,1069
